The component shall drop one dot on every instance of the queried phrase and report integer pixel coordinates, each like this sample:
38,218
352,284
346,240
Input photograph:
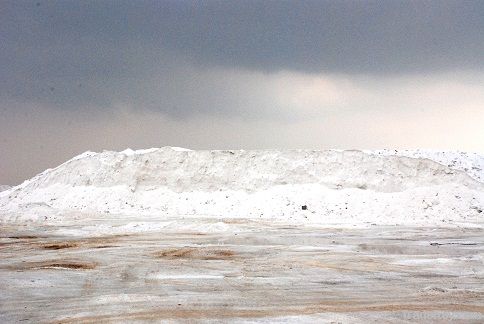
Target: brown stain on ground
54,264
44,243
93,242
65,265
60,245
195,254
18,239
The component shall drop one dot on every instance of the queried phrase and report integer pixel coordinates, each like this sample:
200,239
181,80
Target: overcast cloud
94,75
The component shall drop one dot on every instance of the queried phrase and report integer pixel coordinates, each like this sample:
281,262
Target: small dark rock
304,207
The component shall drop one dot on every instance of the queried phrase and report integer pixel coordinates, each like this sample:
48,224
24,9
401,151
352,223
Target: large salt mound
338,187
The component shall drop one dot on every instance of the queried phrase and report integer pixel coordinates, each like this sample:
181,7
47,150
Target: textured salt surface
337,187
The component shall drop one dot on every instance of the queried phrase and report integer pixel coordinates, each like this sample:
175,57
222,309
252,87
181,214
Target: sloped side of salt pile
337,187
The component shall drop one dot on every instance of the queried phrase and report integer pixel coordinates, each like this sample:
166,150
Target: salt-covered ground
239,271
246,236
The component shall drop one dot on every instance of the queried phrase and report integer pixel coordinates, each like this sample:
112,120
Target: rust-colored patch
66,265
19,239
59,246
55,264
86,243
195,253
94,243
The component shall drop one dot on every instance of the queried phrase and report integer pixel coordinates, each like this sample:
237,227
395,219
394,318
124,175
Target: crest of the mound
470,163
185,170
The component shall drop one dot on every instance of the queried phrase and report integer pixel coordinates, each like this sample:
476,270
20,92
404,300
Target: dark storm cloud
348,36
94,75
75,54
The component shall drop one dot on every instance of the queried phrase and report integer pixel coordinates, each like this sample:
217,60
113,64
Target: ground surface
239,270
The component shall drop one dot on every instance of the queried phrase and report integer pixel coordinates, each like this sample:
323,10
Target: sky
108,75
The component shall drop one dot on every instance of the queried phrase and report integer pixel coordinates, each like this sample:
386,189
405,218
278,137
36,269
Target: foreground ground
239,270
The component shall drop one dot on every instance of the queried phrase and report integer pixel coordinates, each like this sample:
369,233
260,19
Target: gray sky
94,75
